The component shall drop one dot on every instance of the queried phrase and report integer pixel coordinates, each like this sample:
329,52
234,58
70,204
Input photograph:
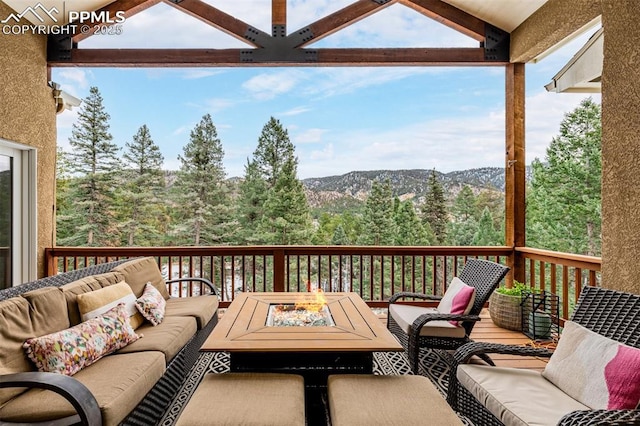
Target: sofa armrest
464,353
204,281
601,417
71,389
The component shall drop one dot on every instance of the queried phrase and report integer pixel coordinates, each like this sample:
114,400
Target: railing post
515,172
278,269
51,263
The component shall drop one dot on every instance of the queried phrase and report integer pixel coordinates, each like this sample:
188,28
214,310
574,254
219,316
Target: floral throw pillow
70,350
151,304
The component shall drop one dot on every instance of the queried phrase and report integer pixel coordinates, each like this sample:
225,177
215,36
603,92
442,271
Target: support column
515,168
620,146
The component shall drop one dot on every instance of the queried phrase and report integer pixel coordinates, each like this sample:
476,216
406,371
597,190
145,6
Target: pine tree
140,206
340,237
93,159
464,215
286,218
272,196
250,204
202,206
434,211
410,230
274,150
564,201
486,234
378,222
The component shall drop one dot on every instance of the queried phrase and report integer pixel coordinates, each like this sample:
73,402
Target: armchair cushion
405,315
508,394
595,370
458,299
70,350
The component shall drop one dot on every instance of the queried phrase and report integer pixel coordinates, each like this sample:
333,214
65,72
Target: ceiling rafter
450,16
280,49
233,58
129,7
344,17
222,21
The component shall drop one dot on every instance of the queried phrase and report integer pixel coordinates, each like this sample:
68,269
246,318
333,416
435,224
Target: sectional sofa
49,328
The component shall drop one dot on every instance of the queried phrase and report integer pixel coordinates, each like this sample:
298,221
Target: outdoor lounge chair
603,319
418,327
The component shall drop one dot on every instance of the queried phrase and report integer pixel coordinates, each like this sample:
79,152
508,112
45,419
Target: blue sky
340,119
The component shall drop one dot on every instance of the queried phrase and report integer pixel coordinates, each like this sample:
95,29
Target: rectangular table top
243,327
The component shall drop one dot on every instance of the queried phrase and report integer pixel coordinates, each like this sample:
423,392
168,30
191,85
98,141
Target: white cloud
294,111
72,79
218,104
194,74
268,85
309,136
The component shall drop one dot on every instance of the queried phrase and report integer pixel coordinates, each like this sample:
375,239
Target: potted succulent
504,306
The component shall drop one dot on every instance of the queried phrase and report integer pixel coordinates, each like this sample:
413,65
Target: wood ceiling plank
342,18
129,7
232,58
218,19
450,16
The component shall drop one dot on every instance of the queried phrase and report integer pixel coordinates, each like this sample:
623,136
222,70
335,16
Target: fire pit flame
307,312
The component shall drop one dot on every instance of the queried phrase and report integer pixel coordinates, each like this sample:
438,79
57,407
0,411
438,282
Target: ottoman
235,399
367,399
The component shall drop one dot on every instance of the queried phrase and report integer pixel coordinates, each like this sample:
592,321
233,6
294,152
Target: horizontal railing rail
374,272
563,274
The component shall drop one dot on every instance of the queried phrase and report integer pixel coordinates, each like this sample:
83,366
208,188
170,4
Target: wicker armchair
610,313
484,275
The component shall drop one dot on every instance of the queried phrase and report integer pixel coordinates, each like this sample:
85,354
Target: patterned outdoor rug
434,366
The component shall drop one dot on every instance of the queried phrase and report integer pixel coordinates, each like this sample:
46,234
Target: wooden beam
233,58
129,7
450,16
220,20
279,12
341,19
515,183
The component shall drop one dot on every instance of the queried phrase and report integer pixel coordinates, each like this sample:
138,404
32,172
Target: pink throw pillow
458,299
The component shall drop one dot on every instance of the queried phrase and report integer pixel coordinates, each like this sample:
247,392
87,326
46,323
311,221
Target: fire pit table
284,332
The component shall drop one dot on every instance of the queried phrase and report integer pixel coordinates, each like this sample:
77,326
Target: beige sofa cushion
85,285
118,382
167,337
246,399
202,308
98,302
138,272
405,315
367,399
508,394
40,312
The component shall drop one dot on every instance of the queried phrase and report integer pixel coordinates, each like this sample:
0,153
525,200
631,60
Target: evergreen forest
112,196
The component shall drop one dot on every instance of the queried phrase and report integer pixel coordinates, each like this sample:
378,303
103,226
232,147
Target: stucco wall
621,146
27,116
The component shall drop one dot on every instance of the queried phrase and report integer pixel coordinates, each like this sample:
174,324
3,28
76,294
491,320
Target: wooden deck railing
374,273
562,274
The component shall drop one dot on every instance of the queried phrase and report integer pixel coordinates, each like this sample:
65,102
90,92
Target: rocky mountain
351,189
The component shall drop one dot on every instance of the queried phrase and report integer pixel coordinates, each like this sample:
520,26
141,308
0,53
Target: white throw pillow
458,299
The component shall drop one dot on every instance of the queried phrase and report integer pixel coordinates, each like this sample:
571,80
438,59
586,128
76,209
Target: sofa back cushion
595,370
138,272
97,302
85,285
38,313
